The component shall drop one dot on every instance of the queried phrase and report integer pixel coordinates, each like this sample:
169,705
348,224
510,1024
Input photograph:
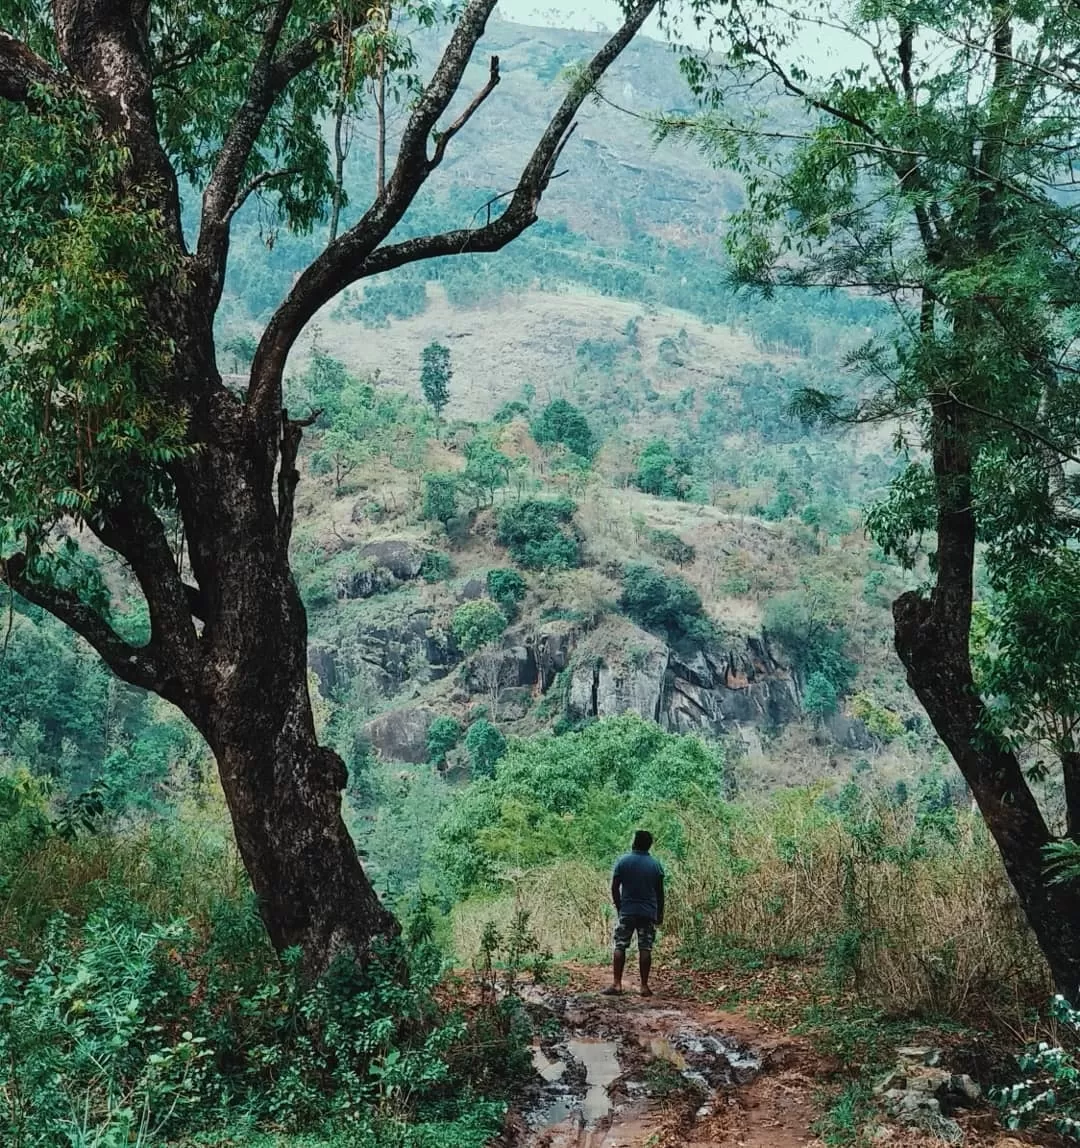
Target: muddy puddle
598,1090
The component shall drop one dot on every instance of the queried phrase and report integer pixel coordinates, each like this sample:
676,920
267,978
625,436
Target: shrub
561,422
533,532
659,602
475,624
440,497
879,720
436,566
507,587
580,795
667,544
810,624
443,734
1049,1094
486,470
485,745
509,411
126,1031
659,472
819,696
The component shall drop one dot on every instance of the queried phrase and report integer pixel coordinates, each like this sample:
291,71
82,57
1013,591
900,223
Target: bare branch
444,138
356,253
222,192
139,666
22,70
253,186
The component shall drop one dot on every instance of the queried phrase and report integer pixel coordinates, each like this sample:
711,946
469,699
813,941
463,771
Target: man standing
637,891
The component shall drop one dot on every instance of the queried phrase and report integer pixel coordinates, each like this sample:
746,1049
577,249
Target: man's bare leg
618,963
645,967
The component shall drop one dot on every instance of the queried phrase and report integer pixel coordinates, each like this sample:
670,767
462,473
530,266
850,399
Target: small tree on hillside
435,376
440,497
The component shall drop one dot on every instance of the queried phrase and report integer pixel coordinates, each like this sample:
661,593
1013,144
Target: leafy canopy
578,796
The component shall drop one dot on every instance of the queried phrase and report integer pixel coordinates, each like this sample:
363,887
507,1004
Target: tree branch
292,432
223,190
356,253
21,70
105,46
139,666
253,185
444,138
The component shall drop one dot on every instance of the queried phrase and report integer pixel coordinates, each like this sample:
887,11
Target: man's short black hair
642,840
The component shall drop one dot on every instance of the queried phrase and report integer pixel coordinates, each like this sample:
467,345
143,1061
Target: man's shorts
624,930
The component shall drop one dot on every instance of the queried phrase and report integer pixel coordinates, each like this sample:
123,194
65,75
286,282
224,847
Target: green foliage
1049,1094
486,470
485,745
563,423
667,544
879,720
81,351
576,796
477,624
357,420
659,472
819,696
659,601
440,497
443,735
510,411
533,531
844,1122
810,624
435,376
128,1031
507,588
436,566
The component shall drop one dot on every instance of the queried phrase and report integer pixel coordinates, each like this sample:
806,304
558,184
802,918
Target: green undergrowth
140,1003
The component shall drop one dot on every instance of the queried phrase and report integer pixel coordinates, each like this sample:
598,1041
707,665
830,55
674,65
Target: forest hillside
380,559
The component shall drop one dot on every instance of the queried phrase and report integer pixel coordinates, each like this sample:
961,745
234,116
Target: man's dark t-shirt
639,876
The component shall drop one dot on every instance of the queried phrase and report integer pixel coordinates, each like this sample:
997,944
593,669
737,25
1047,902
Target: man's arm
616,892
660,898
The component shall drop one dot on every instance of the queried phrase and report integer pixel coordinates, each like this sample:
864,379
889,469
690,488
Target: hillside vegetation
578,555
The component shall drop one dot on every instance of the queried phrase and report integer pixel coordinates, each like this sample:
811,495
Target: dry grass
939,934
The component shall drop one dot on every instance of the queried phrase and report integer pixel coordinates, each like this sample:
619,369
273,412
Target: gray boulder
401,735
381,566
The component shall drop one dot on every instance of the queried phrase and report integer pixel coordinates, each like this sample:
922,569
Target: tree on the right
934,168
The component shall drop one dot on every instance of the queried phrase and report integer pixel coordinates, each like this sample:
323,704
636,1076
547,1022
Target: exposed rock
849,732
323,663
401,735
514,703
412,649
471,590
711,691
552,644
381,566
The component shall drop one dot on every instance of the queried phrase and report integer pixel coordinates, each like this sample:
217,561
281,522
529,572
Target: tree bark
932,639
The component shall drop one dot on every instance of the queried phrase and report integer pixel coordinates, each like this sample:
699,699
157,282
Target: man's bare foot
646,991
612,991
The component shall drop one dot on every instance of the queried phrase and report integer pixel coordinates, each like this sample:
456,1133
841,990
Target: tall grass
909,909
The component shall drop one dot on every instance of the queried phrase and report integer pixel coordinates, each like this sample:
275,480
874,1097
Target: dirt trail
671,1072
627,1072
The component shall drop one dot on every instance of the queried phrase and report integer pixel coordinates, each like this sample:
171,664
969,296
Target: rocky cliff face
615,669
710,691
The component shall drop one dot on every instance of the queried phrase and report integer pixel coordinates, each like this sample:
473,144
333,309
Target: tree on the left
113,412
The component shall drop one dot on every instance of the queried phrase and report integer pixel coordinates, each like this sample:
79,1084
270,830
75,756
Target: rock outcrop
413,649
709,691
401,734
379,567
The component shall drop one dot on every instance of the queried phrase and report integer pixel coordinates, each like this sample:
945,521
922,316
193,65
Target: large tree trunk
284,794
283,789
940,675
932,639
